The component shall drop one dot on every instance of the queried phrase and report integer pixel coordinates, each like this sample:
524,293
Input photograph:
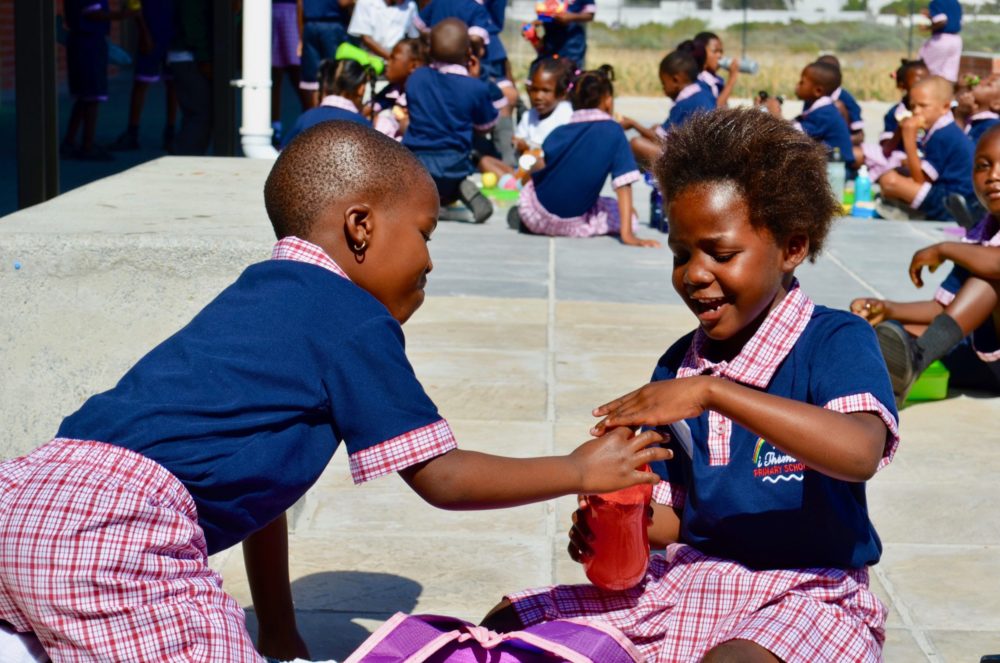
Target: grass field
868,53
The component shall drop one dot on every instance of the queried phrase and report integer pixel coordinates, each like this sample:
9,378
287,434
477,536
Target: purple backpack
436,639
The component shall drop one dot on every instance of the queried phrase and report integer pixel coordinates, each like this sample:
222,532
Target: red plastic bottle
621,544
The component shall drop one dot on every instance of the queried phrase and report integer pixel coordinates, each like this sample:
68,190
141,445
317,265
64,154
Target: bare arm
624,194
982,261
727,89
265,555
649,133
574,17
877,310
908,129
843,446
374,47
466,480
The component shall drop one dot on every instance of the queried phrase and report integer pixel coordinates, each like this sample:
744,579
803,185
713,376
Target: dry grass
866,75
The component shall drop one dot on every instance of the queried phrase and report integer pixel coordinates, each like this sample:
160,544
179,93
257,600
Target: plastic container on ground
864,205
932,385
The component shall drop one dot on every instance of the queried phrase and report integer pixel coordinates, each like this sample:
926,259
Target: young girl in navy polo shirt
342,86
105,531
679,78
790,410
563,198
708,50
388,107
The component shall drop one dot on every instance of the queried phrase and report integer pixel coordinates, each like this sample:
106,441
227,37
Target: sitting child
342,88
820,118
974,111
915,334
547,90
888,154
710,44
446,106
846,103
943,51
563,198
388,107
946,165
679,79
105,531
767,534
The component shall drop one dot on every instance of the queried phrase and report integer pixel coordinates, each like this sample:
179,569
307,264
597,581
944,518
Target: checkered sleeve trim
402,451
626,178
668,494
944,297
866,402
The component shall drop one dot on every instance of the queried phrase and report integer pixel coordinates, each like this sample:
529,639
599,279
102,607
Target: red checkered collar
299,250
757,362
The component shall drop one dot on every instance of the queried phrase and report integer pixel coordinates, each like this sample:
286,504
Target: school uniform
324,29
823,122
568,40
332,107
534,129
158,15
86,50
564,198
385,24
691,100
890,121
983,341
385,101
711,83
979,124
105,532
942,52
855,123
446,106
469,12
781,550
947,162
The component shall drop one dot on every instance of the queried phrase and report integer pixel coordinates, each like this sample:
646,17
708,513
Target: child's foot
900,352
473,198
514,219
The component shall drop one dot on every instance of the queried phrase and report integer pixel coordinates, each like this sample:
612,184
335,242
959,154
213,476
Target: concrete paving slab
520,337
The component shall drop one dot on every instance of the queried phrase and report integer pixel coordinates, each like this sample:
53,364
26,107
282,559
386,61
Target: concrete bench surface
520,337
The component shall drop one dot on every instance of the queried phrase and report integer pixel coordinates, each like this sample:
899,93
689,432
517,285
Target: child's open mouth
709,309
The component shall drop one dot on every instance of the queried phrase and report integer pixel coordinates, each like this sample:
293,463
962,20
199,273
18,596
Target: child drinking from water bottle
765,523
564,197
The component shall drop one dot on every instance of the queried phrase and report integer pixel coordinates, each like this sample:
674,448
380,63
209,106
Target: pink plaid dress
690,602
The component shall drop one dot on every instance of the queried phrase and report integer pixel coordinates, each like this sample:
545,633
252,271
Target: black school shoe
901,355
469,193
514,219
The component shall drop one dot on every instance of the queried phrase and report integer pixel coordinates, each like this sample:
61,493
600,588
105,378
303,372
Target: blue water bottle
864,206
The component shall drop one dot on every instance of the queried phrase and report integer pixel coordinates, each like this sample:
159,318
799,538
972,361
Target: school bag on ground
436,639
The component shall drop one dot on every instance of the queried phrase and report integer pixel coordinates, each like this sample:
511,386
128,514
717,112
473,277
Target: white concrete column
256,132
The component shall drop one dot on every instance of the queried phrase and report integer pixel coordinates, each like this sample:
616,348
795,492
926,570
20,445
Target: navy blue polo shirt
497,10
473,14
824,122
327,11
764,508
980,125
445,108
76,17
579,156
568,40
949,11
314,116
246,404
890,121
692,99
853,109
947,158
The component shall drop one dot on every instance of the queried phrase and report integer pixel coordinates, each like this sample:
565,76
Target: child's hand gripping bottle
621,544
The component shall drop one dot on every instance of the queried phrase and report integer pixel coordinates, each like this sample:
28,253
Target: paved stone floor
520,337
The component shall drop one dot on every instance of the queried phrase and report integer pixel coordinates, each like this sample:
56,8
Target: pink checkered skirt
101,556
284,35
601,219
690,602
942,54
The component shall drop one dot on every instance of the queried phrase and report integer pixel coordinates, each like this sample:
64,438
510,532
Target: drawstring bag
435,639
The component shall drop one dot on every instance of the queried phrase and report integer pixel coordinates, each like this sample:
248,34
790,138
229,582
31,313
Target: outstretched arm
844,446
466,480
982,261
909,313
265,555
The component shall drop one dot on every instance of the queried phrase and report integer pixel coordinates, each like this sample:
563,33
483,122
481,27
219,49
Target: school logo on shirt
772,465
